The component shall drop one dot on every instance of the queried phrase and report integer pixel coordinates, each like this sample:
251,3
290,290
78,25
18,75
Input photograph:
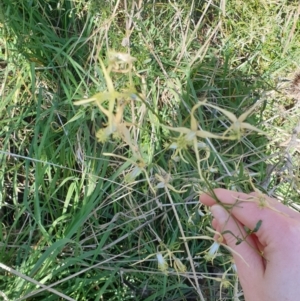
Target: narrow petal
205,134
179,130
230,115
100,97
252,128
214,248
248,112
84,101
108,80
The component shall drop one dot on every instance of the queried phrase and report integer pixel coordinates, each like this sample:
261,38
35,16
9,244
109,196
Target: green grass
75,223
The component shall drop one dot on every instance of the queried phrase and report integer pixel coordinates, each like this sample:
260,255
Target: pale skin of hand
275,276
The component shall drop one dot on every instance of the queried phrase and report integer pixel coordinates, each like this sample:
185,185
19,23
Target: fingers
246,209
250,264
277,235
223,196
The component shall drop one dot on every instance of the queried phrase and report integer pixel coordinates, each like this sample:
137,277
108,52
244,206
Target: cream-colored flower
164,182
213,251
162,264
238,125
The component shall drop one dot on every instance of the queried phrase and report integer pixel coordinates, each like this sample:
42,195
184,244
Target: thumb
246,255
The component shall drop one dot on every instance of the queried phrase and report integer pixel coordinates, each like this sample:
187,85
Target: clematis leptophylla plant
116,102
262,200
174,261
164,180
120,62
238,125
139,166
189,136
162,263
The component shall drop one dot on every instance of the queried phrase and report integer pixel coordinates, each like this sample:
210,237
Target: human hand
269,269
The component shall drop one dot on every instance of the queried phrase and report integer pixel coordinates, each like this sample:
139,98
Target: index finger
247,209
222,195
